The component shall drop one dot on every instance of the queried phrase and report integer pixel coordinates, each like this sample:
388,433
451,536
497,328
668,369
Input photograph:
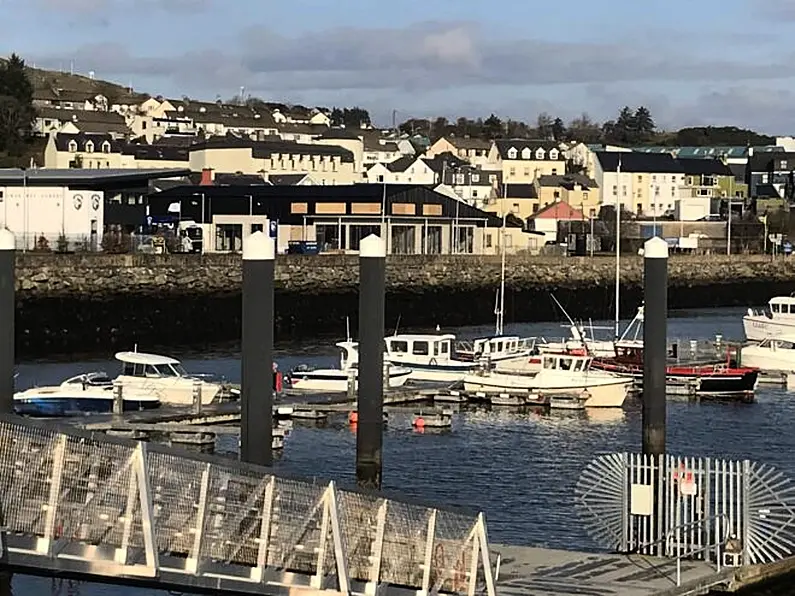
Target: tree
493,127
558,130
544,124
584,129
16,105
644,127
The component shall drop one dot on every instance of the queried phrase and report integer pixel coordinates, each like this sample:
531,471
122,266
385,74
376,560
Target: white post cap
258,247
7,240
372,247
655,248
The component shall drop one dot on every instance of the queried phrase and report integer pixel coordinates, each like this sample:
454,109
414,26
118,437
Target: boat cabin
149,366
782,306
485,347
775,344
566,362
437,347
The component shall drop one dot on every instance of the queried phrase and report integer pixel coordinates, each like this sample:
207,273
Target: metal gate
740,512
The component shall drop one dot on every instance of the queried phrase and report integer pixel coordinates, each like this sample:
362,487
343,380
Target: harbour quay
99,302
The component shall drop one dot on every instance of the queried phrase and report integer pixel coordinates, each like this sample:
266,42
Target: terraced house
521,161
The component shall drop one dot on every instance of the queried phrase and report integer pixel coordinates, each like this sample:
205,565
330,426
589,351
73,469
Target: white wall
50,211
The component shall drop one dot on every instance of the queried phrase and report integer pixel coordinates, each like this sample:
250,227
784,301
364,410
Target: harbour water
520,467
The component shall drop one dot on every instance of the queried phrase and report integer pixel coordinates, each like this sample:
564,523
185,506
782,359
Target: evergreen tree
16,105
558,130
645,128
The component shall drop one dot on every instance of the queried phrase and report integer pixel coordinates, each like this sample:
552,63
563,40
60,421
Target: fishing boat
337,379
559,374
777,321
440,358
90,393
714,379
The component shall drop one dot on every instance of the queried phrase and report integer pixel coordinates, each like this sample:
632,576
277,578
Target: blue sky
693,62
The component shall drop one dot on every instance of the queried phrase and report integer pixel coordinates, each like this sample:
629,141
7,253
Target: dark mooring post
7,312
370,399
655,342
256,408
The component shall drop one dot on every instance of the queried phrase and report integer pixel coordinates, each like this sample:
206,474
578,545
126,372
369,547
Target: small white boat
774,354
337,379
559,374
440,358
167,379
777,321
90,393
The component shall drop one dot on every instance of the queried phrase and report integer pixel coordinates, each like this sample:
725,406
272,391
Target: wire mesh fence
117,496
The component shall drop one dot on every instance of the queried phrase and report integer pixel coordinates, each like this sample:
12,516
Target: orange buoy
353,417
419,422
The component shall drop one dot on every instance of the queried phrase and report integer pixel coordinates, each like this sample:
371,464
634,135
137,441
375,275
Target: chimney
207,177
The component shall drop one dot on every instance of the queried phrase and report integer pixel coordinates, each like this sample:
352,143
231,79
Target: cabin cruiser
440,358
336,379
559,374
90,393
774,354
167,379
777,321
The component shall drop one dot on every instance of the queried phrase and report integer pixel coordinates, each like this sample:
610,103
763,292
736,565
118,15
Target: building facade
522,161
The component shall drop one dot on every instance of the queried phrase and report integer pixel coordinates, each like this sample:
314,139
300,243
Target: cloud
105,6
457,61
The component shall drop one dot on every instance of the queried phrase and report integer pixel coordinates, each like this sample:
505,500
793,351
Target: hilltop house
521,161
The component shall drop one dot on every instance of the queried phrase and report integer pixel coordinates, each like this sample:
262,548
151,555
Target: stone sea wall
96,303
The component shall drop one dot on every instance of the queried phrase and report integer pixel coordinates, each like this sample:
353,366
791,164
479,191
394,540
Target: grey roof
504,145
568,181
285,179
62,140
468,142
520,191
264,149
90,121
78,175
704,167
401,164
156,152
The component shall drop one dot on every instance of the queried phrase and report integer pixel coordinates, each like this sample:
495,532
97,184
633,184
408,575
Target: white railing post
147,517
473,563
429,539
378,549
482,537
258,573
129,511
193,564
340,554
58,454
317,580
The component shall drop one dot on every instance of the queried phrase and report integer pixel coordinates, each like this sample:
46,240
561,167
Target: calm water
520,468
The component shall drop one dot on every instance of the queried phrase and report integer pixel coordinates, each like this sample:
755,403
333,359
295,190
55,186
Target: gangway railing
110,509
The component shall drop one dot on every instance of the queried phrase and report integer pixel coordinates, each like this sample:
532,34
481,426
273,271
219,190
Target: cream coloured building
521,161
81,150
327,164
475,151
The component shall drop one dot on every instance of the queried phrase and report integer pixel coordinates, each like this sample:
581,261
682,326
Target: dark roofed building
641,163
419,219
521,191
265,149
51,119
704,167
568,181
527,150
153,152
776,168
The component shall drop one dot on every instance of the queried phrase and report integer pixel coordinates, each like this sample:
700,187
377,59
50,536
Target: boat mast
501,308
618,241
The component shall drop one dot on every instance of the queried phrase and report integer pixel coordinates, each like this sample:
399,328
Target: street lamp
729,226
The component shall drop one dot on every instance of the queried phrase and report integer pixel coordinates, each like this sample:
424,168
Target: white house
647,184
547,220
406,170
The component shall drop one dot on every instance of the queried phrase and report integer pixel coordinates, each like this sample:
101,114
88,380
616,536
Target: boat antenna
347,329
573,324
135,347
397,325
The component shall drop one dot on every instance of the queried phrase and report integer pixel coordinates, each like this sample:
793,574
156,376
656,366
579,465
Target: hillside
55,83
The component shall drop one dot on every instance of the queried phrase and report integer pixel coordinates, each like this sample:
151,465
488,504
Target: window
593,213
512,172
553,154
475,178
585,196
399,347
516,206
436,348
535,207
557,194
445,347
653,178
256,228
474,193
554,171
488,240
615,189
540,153
90,147
526,153
527,171
420,348
72,146
624,190
105,147
512,153
774,308
228,237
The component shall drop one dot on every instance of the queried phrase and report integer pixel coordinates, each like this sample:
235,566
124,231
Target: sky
692,62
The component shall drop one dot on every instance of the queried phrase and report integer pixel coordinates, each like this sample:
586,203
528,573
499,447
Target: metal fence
119,509
726,512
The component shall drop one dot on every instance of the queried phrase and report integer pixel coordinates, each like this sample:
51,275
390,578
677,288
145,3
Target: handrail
675,532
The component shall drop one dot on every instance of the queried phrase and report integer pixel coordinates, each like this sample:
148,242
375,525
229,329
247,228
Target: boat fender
419,422
433,362
353,417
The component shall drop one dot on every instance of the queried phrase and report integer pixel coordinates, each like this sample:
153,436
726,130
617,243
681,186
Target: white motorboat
336,379
777,321
774,354
559,374
90,393
440,358
167,379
